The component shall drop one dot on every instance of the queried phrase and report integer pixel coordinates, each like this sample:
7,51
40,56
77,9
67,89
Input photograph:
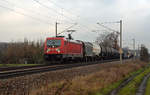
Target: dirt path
123,84
142,87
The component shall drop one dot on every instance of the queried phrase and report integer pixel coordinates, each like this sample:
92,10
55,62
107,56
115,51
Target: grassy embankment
147,92
131,88
99,83
109,88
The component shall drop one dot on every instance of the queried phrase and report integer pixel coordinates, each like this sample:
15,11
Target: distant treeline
21,52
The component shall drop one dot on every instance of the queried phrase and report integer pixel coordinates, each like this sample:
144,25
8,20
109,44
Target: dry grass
76,81
92,83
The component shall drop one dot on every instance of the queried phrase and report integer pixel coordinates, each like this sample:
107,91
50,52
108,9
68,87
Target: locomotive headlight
58,50
48,50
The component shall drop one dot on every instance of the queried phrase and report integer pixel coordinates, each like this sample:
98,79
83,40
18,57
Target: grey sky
134,13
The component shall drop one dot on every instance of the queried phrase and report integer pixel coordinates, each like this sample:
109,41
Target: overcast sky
35,19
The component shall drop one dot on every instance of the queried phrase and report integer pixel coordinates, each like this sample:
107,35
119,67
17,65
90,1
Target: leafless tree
108,39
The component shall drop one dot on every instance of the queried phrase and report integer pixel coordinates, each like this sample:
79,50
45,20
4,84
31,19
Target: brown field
91,83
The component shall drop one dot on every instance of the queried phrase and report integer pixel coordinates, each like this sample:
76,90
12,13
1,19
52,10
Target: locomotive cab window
53,43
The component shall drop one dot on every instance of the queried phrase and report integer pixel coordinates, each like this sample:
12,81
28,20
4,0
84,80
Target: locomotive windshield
53,43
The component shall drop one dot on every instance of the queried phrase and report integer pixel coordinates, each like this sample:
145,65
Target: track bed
16,72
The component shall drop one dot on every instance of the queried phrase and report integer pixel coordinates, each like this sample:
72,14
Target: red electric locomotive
60,48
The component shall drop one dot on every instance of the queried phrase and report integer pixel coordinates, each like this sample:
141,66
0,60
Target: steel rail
22,72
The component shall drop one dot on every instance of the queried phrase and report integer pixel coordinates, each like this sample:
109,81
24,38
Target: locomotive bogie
53,57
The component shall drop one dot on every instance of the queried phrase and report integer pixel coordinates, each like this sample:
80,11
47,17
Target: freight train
64,49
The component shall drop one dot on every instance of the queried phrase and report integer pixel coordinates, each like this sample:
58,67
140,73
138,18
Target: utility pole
138,55
120,22
121,41
56,28
134,48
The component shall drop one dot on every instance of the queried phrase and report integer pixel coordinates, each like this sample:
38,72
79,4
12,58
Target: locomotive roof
64,38
55,37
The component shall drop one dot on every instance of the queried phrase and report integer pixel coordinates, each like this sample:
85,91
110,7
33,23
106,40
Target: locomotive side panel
73,49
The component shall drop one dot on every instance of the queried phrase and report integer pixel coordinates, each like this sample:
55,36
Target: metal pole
56,28
121,41
134,48
138,51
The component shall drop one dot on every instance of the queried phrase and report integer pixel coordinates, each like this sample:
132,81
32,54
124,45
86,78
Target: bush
0,57
25,52
144,55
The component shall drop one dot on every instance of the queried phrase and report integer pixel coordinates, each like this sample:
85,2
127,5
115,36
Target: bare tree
108,39
101,37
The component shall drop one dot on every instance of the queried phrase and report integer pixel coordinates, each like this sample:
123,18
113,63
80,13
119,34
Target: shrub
0,57
25,52
144,56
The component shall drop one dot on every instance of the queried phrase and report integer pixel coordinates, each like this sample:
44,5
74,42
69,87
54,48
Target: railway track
19,67
26,71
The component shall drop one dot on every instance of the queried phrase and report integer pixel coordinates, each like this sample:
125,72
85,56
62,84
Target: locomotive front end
53,49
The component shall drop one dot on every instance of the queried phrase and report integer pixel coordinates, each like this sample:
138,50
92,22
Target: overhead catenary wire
107,27
21,13
54,10
81,28
39,19
68,11
110,22
32,11
67,29
37,13
70,19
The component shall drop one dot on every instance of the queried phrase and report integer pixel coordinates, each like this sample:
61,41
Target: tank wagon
62,49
